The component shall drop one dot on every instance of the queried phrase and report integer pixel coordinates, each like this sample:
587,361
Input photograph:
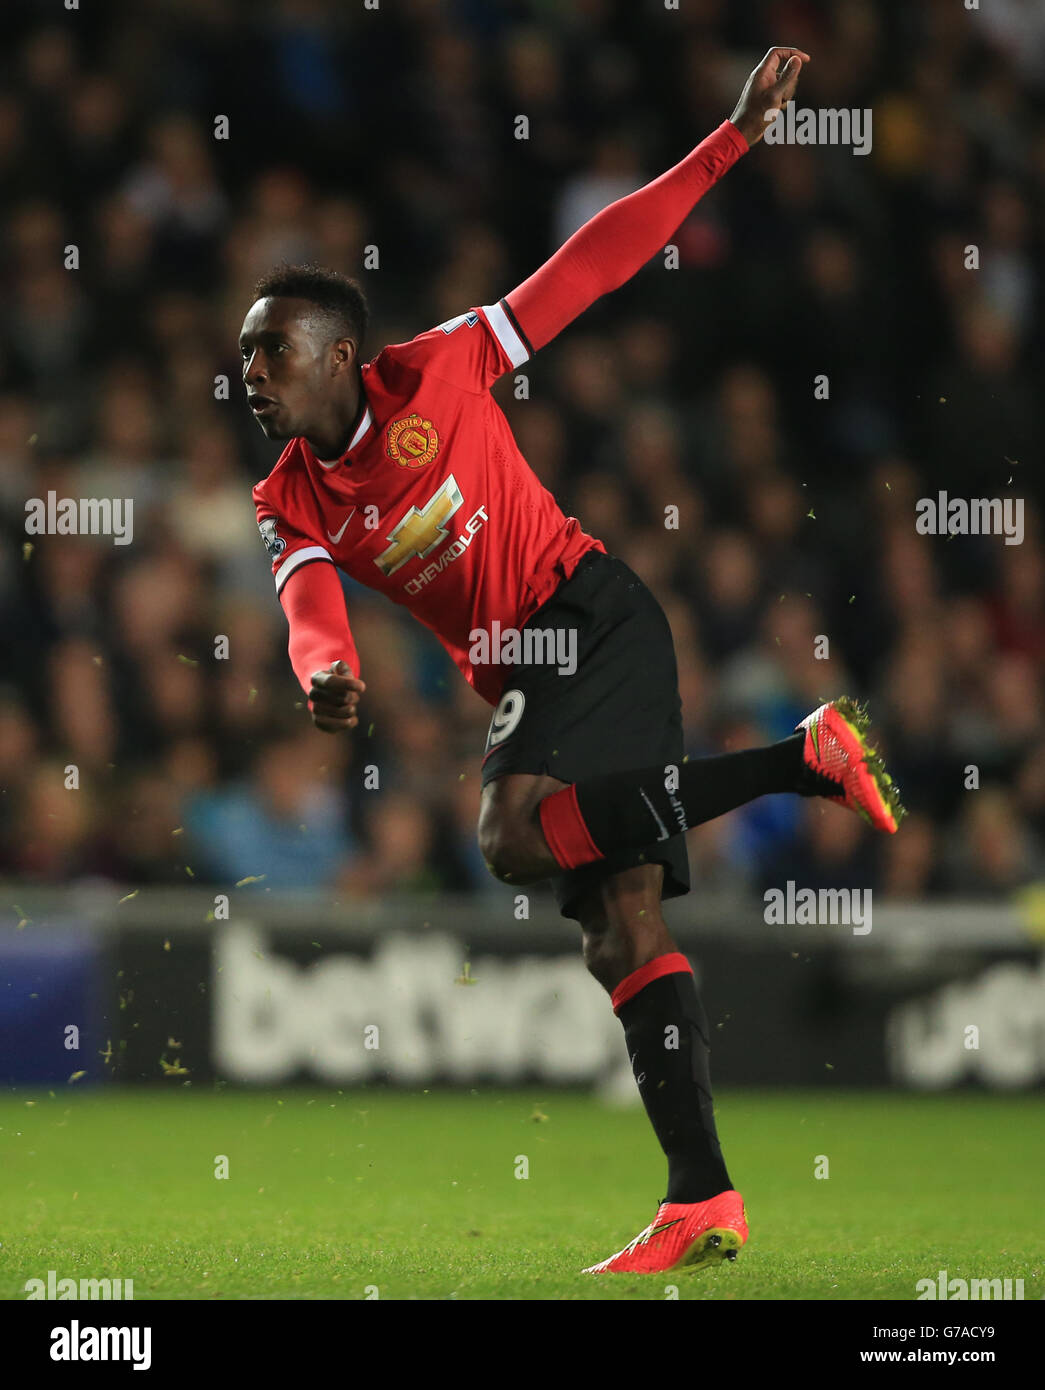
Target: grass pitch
330,1194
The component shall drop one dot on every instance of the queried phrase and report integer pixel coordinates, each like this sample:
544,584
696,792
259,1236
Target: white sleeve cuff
505,334
299,557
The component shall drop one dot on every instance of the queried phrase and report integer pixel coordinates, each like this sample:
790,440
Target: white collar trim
364,425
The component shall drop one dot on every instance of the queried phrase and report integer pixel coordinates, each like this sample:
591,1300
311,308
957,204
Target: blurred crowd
193,757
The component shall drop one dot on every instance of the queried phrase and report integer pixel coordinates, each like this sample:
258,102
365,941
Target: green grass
330,1193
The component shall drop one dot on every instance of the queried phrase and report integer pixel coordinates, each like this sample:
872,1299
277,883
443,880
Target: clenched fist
334,697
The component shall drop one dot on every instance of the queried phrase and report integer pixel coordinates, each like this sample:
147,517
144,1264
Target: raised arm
611,247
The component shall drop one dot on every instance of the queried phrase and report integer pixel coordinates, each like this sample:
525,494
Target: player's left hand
768,89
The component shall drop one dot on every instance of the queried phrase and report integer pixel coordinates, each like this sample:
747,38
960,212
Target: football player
402,472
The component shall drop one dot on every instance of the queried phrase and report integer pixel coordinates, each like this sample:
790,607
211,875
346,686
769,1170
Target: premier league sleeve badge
274,544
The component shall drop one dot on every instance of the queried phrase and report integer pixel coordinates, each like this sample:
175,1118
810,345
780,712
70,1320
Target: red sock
674,1082
670,964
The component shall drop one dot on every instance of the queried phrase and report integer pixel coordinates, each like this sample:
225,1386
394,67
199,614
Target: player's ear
344,354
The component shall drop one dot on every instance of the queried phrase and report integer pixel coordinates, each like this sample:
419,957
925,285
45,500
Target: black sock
624,809
674,1082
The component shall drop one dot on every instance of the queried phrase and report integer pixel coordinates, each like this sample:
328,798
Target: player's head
300,346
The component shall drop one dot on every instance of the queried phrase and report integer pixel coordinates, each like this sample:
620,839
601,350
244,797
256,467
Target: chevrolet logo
420,531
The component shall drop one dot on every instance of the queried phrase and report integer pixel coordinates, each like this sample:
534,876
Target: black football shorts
618,710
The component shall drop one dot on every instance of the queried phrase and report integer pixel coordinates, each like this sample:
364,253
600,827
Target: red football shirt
432,503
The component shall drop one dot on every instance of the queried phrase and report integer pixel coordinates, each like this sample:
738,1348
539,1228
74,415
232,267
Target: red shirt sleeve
310,593
319,632
471,350
618,241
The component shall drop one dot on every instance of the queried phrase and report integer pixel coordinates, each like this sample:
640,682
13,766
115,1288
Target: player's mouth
262,405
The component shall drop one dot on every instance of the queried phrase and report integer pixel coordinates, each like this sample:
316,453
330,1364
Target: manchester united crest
412,441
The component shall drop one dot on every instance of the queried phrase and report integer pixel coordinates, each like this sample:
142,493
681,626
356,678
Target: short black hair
338,296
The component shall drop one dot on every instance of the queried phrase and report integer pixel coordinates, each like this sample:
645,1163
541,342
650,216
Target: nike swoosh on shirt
335,539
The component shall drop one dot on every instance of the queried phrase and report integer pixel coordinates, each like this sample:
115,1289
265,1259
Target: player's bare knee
510,838
600,945
504,843
622,924
508,864
601,954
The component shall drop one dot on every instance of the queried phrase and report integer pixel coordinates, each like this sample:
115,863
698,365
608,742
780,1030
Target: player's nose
253,370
